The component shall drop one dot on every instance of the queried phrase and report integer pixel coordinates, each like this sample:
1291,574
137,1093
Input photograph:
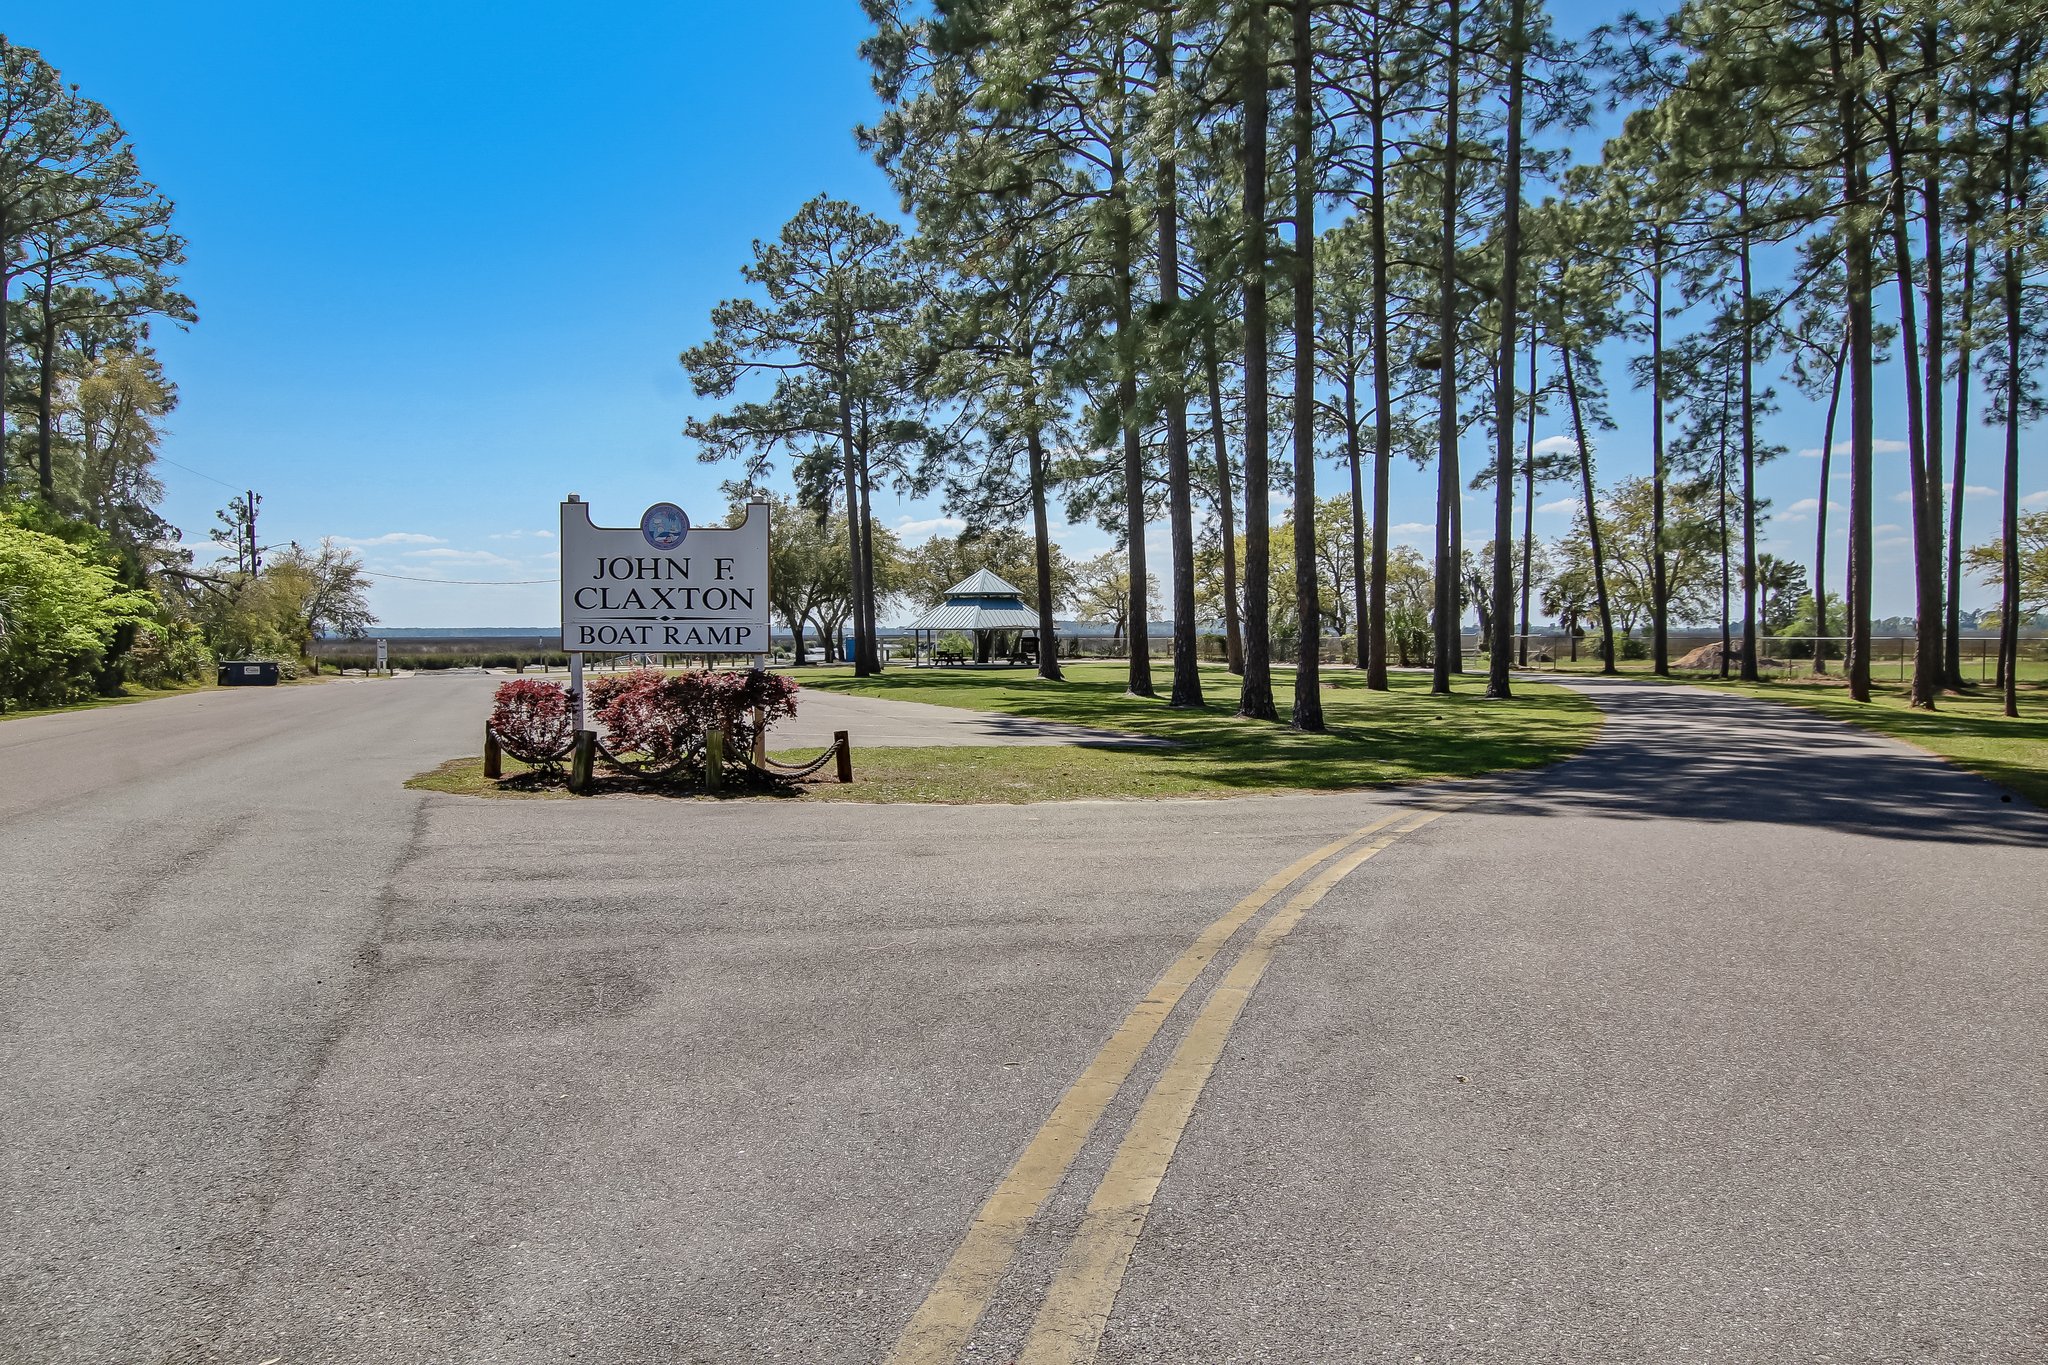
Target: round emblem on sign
664,525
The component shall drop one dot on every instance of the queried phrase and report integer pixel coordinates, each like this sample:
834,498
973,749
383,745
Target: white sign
383,656
664,586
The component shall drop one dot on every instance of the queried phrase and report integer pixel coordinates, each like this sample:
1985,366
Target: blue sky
445,255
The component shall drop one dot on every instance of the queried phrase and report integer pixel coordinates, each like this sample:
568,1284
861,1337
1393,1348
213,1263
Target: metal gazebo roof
981,601
982,583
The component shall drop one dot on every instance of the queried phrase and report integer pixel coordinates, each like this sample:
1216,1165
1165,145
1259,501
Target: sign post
576,685
383,656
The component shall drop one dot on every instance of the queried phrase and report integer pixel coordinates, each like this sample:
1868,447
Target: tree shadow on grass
1374,738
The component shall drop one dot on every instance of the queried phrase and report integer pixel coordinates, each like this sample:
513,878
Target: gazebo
979,605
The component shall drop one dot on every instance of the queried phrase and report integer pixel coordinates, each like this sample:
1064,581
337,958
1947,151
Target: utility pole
255,561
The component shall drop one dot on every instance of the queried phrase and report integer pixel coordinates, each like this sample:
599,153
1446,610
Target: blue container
247,673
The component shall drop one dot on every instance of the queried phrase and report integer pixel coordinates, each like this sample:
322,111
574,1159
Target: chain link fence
1891,656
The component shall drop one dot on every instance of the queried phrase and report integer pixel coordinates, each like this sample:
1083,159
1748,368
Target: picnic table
949,656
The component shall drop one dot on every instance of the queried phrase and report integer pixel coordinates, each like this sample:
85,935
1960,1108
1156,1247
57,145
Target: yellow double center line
1069,1325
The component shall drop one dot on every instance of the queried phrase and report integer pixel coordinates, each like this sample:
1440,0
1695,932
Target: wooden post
494,762
583,760
845,755
576,686
714,760
760,738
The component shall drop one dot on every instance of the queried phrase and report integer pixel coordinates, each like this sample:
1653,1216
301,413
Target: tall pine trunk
1504,448
2015,205
46,380
1856,254
856,559
1964,341
867,638
1750,672
1448,570
1383,401
6,290
1041,551
1571,392
1457,553
1721,493
1528,498
2009,603
1226,502
1926,685
1820,516
1660,581
1187,676
1139,607
1255,698
1354,454
1308,697
1948,665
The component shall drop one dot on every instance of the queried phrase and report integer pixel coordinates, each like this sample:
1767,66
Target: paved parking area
1722,1042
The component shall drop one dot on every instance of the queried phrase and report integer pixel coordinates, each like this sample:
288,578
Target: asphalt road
1723,1042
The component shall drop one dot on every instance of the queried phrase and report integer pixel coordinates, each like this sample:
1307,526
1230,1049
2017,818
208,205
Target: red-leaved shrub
533,721
661,716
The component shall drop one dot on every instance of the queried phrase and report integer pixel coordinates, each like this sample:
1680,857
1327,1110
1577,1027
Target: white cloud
448,556
1970,490
1881,445
2035,499
1557,445
912,531
1414,528
1557,507
522,535
1801,512
1887,529
390,538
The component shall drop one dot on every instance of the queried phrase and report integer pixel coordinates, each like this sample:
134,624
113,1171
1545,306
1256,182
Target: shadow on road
1682,753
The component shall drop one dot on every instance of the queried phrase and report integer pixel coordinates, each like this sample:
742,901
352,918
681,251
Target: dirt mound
1707,657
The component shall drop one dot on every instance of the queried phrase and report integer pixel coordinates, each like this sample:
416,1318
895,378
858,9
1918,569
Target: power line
466,582
165,459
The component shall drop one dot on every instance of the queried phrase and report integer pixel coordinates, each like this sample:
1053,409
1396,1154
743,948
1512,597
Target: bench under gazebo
985,608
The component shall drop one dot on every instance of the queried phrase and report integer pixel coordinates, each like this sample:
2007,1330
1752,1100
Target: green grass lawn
465,777
131,693
1405,735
